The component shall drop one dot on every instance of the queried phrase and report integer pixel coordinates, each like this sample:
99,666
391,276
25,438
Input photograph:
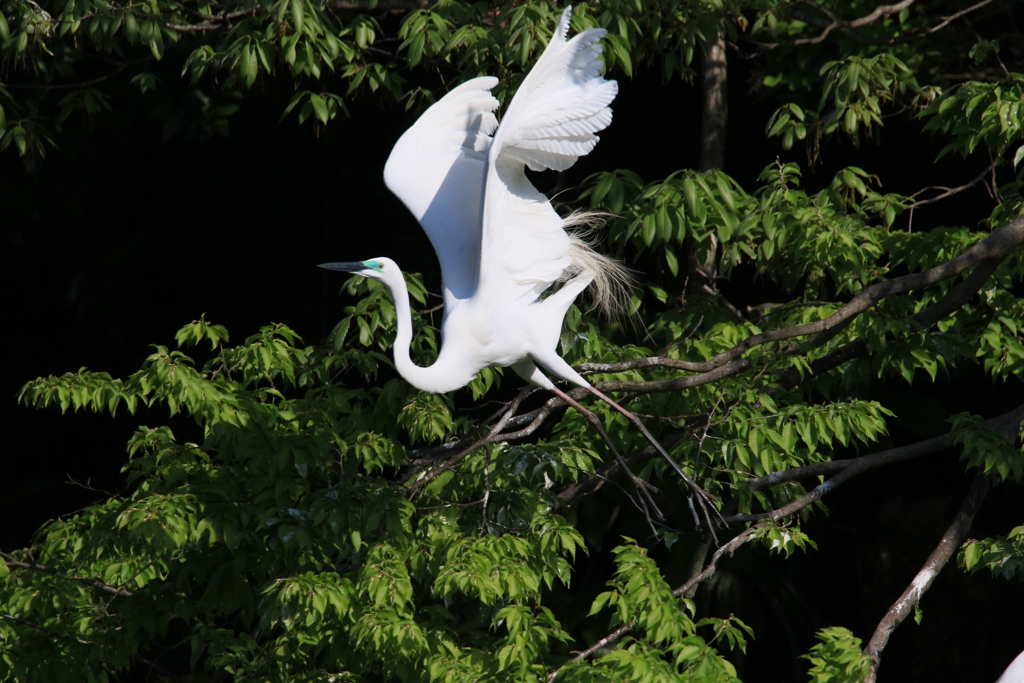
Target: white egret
500,242
1015,672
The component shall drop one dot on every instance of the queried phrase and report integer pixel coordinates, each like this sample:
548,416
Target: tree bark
702,276
716,108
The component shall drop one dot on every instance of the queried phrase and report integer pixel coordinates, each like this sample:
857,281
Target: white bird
1015,672
500,242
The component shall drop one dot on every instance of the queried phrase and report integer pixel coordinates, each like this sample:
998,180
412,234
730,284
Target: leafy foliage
298,513
988,449
837,658
1003,556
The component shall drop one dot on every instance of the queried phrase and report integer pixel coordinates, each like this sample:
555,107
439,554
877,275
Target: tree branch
996,246
993,249
847,469
216,21
950,541
927,317
847,28
80,84
712,566
381,5
94,583
820,366
607,640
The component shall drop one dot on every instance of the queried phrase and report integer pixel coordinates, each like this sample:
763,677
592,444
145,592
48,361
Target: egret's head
378,268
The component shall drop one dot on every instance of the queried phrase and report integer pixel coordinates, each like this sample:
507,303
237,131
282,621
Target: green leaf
249,65
319,107
672,261
693,204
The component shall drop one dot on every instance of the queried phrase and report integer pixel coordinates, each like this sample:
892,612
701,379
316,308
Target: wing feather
437,168
552,121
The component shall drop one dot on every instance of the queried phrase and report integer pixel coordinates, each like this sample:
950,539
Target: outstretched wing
437,169
551,122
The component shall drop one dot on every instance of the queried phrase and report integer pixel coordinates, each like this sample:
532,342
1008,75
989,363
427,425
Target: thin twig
573,492
45,630
644,500
953,17
79,84
424,476
87,485
836,24
950,191
832,23
94,583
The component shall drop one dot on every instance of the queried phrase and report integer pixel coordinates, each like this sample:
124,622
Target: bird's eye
376,265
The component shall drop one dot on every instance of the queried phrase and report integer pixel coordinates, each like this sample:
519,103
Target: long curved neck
446,374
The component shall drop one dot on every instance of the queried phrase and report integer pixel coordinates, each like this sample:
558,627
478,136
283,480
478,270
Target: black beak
344,266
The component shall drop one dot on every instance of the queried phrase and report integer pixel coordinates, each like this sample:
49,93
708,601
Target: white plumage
1015,672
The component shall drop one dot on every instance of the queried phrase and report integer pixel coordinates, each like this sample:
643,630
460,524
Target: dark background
119,239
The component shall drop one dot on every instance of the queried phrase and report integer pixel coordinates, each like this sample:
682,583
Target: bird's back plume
610,290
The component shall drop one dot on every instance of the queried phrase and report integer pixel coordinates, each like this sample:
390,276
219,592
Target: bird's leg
704,499
643,488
